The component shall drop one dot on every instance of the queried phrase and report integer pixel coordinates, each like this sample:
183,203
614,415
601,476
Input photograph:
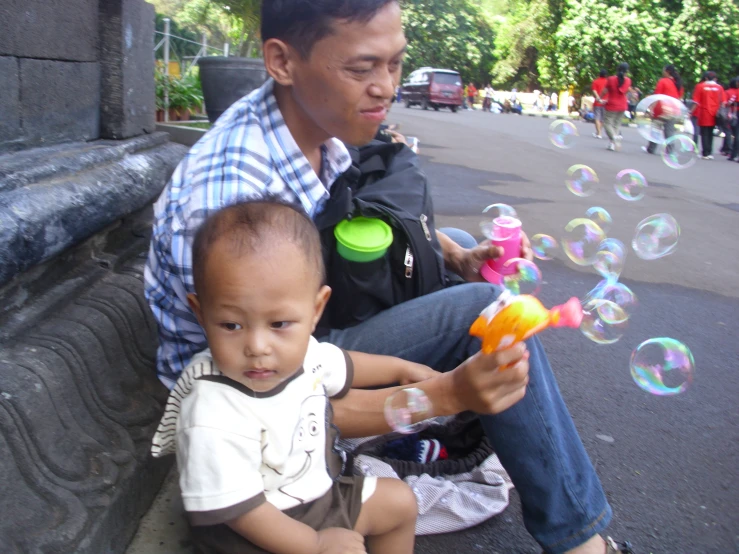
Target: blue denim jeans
536,440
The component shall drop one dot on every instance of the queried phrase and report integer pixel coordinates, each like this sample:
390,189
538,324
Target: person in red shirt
708,97
616,104
664,114
599,107
472,92
732,134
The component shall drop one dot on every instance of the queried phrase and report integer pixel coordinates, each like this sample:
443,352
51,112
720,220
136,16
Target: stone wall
71,70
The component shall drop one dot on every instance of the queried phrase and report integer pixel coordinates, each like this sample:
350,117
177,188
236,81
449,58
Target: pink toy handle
507,235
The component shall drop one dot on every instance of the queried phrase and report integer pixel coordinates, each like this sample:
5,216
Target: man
599,106
708,97
333,66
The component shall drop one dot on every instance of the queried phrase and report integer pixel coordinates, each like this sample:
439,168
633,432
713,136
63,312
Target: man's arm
467,262
479,384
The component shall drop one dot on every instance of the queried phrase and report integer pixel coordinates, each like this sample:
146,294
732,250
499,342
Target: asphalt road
670,471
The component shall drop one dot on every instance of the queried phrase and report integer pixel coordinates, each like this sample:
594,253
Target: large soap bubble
656,112
656,236
408,410
662,366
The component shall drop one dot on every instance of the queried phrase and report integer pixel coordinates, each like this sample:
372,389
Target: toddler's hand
340,541
413,373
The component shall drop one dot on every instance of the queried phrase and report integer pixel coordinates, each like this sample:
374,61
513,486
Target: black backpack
386,182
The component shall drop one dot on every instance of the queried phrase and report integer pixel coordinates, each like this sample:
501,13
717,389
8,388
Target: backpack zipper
408,263
426,231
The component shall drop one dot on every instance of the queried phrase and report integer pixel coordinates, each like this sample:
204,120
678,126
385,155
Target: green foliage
450,34
184,93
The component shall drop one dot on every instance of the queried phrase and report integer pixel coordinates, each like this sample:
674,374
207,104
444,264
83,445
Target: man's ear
194,302
279,59
324,293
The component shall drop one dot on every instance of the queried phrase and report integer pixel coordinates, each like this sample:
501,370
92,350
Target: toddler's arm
371,370
274,531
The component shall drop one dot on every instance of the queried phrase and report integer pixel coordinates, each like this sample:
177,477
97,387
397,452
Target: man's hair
603,72
252,226
710,75
302,23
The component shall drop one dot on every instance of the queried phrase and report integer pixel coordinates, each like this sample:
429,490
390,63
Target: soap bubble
656,236
407,411
680,152
610,259
601,217
630,185
662,366
616,293
563,134
603,321
498,210
654,112
543,246
525,279
581,180
581,240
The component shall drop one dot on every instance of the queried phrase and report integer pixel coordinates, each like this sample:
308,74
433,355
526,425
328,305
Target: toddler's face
258,311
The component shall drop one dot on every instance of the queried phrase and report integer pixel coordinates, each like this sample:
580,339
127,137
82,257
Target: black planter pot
225,80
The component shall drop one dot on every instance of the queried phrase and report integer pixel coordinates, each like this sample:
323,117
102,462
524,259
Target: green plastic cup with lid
362,239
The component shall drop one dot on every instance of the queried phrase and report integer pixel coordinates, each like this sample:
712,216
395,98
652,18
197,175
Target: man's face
346,85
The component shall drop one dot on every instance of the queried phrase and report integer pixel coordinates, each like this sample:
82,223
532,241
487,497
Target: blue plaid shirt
247,154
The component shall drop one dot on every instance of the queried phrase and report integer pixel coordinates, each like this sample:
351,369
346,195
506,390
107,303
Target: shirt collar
290,162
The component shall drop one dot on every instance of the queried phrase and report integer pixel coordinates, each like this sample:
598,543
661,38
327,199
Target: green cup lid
364,234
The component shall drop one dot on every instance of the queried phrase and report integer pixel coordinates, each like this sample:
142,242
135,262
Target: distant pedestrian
488,98
398,94
708,97
732,104
632,98
616,87
663,113
599,106
471,94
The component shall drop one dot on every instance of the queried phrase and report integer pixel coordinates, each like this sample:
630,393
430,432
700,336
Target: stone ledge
44,217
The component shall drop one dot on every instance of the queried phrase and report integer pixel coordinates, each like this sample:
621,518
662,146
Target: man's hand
412,372
491,383
335,540
470,260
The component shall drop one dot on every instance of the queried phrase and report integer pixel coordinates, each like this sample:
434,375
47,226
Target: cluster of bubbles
660,119
661,366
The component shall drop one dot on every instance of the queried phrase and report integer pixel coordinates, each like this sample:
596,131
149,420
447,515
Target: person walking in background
466,96
632,97
725,124
471,94
732,103
708,97
664,113
616,87
599,106
488,99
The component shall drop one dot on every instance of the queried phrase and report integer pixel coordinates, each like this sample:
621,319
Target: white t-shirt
237,448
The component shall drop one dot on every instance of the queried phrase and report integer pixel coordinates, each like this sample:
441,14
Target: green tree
452,34
705,36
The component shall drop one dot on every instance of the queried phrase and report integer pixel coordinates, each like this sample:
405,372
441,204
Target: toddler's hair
253,226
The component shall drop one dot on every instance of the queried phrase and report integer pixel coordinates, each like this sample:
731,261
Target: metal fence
189,61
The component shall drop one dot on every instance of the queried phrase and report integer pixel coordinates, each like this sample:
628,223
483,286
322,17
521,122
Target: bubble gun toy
512,319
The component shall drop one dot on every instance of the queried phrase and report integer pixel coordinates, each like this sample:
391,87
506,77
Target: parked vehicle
433,88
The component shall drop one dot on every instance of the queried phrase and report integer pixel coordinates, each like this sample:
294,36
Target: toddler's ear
324,293
194,302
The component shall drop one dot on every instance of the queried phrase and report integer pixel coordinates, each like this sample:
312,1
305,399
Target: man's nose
384,84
